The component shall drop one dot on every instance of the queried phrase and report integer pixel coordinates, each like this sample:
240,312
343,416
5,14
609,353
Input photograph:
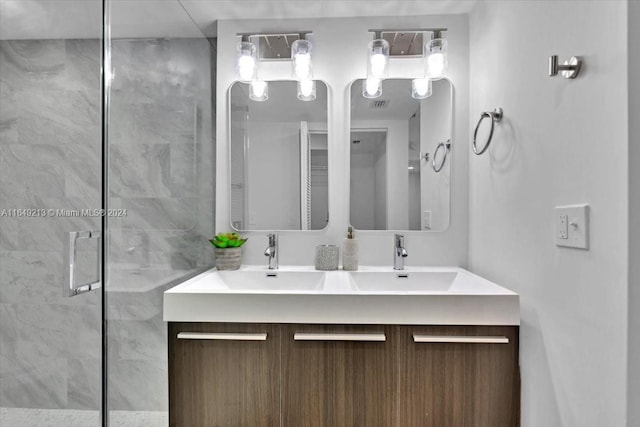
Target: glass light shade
306,90
435,56
301,60
246,61
378,61
258,90
372,88
421,88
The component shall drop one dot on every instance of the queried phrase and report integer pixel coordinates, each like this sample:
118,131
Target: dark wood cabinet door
218,379
459,384
333,378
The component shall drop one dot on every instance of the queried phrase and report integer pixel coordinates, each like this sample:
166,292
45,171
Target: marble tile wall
162,156
49,159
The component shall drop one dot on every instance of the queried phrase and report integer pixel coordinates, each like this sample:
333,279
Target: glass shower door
50,213
161,157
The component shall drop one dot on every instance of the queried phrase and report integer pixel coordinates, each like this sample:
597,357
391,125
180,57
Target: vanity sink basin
272,280
372,295
400,281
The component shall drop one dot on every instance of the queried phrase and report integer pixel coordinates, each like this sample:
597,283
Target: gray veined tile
33,382
83,173
30,277
152,123
32,65
59,331
183,170
8,120
84,383
82,65
8,333
138,339
43,386
140,170
35,278
35,170
58,117
129,246
170,214
136,385
9,233
173,72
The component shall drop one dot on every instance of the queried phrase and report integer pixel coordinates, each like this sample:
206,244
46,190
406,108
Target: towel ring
447,146
495,117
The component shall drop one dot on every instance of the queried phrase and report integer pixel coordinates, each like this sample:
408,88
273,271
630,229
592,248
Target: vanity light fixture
405,44
246,61
290,46
258,90
436,56
421,88
306,90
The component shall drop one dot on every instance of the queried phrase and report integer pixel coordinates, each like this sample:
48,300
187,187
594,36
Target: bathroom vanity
296,347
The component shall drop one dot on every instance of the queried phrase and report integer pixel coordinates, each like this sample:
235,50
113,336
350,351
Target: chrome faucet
399,252
272,251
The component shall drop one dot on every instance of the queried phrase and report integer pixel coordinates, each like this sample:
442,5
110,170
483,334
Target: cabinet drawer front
224,336
457,339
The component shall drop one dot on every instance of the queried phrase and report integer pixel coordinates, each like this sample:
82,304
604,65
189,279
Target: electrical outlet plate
572,226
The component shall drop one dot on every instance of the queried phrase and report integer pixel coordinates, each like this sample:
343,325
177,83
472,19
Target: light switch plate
572,226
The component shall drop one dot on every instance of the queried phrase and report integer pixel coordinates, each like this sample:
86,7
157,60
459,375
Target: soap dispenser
350,252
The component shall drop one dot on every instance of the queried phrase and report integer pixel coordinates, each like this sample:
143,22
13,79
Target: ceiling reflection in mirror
400,157
278,159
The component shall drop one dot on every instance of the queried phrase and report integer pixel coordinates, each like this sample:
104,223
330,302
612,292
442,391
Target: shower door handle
68,287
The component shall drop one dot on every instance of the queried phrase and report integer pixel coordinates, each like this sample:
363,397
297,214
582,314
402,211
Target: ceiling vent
379,104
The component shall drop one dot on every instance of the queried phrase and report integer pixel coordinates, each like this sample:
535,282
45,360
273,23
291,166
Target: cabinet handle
222,336
299,336
459,339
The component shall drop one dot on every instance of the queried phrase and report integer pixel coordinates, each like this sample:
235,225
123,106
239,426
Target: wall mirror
400,157
278,159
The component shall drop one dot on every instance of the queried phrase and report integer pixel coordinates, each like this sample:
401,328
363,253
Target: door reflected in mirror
278,159
400,158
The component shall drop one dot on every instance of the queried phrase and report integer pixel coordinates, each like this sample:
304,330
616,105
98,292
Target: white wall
561,142
634,214
339,58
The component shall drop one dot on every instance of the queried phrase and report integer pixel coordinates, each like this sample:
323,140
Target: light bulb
305,87
435,63
421,88
378,64
301,60
307,90
372,87
302,66
435,53
258,90
246,65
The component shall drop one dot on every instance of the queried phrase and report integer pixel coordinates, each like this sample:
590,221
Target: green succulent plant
227,240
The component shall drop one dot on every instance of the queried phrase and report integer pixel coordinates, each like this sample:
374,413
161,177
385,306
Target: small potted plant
228,250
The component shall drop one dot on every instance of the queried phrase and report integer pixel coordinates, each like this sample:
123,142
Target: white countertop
451,296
